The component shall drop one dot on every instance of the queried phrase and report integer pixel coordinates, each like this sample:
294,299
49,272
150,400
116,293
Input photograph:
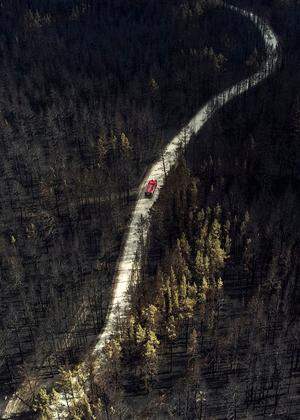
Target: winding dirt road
159,169
129,257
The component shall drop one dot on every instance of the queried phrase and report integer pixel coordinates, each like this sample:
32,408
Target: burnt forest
149,209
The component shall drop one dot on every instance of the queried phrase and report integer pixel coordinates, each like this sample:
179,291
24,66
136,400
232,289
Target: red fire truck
151,187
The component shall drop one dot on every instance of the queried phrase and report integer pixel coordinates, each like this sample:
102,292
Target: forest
90,94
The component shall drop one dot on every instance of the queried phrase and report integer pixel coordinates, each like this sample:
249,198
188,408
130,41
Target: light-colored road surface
129,256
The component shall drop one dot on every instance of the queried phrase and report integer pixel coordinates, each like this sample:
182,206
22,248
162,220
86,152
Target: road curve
129,258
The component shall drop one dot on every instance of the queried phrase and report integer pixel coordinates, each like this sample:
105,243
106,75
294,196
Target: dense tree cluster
217,309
